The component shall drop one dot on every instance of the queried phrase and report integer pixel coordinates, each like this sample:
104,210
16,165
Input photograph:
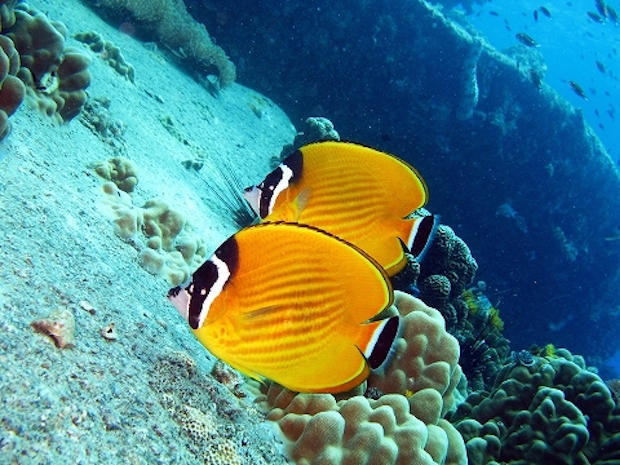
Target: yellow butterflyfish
294,304
357,193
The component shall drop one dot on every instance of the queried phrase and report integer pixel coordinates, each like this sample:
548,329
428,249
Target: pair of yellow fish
296,297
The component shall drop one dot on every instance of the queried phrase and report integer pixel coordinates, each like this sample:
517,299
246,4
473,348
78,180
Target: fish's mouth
179,297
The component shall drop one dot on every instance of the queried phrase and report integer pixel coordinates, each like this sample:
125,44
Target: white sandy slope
95,402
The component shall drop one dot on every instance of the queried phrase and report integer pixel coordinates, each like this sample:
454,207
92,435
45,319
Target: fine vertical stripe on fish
354,192
291,303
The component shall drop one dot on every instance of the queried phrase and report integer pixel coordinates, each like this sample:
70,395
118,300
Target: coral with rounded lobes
120,170
109,52
552,411
320,430
12,90
424,356
450,257
7,14
168,245
55,77
401,424
173,26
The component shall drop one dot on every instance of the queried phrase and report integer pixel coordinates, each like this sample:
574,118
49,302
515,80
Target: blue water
613,363
570,43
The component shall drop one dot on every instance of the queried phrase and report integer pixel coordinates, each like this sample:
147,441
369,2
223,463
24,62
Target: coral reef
398,421
484,349
318,429
424,356
519,137
174,27
168,245
442,278
450,258
7,13
119,170
12,90
552,410
55,76
108,52
316,128
59,326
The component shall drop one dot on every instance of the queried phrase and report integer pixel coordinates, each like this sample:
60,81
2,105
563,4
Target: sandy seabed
145,397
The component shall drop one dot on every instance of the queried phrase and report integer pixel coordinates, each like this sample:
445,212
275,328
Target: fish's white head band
283,184
223,274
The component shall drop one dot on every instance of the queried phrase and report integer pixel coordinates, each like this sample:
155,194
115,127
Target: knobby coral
425,356
553,410
168,245
401,424
55,77
320,430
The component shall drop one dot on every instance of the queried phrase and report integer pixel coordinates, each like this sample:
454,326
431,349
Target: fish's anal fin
421,233
379,337
247,372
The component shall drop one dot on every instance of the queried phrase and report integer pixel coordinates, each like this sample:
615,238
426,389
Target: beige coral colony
37,66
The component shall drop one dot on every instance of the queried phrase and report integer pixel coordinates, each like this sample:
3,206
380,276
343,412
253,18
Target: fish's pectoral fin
377,339
260,312
300,203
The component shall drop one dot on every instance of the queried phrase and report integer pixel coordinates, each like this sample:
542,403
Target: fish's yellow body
354,192
294,306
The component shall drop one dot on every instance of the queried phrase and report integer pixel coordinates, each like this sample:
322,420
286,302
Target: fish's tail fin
377,338
418,233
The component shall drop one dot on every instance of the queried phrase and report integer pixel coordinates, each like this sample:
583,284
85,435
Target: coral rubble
59,326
